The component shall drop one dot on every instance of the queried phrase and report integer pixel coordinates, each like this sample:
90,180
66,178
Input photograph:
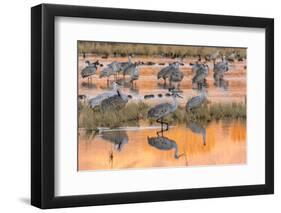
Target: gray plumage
115,66
161,110
134,73
195,67
132,70
163,143
96,101
115,102
220,69
176,76
89,70
125,65
129,69
202,71
107,72
167,71
196,101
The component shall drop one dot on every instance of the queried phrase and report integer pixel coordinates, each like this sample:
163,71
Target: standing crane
220,68
196,101
134,75
110,70
202,71
125,65
167,71
114,68
89,70
159,111
176,77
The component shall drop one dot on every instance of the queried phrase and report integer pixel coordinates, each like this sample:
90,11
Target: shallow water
219,143
231,89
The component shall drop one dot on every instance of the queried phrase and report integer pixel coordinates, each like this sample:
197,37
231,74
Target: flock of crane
116,99
172,72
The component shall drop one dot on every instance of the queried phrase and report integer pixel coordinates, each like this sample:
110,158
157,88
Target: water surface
219,143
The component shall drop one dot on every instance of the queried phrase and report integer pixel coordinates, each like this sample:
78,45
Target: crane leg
161,131
160,120
167,126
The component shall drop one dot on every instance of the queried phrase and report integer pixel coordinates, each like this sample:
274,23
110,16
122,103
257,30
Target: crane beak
179,96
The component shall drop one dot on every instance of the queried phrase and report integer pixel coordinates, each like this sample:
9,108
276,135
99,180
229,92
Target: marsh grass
134,113
128,116
218,111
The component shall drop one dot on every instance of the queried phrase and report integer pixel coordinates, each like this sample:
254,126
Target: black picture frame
43,105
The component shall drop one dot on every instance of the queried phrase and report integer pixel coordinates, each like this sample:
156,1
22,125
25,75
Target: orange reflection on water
225,144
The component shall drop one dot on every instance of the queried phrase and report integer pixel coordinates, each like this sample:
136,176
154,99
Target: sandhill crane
133,71
96,101
107,72
115,67
89,70
111,69
201,73
125,65
198,129
164,143
115,102
159,111
118,138
176,77
167,71
195,67
196,101
220,68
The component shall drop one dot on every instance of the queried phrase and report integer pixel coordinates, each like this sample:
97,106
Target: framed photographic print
140,106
